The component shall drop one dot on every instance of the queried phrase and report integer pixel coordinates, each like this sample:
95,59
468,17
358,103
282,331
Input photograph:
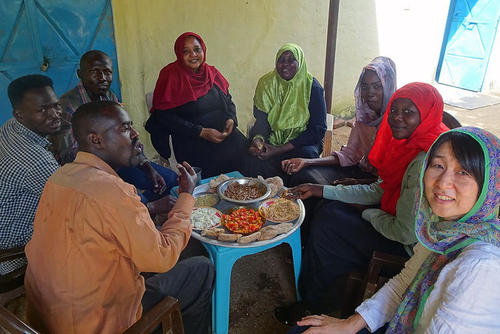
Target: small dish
243,220
279,210
206,217
206,199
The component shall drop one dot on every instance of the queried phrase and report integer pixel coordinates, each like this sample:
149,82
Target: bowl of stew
245,190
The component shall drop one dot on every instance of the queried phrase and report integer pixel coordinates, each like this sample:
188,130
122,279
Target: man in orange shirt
93,237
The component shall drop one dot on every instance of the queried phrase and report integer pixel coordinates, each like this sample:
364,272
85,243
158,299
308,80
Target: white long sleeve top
465,298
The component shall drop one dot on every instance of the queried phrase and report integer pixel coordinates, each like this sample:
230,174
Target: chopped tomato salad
243,220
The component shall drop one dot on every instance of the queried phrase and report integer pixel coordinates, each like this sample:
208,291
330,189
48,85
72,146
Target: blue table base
224,259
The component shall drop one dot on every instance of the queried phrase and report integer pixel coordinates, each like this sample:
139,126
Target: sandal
289,315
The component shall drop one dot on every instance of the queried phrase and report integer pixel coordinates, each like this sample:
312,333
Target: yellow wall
409,32
242,37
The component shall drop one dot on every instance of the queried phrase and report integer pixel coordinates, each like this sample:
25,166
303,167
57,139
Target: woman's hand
349,181
294,165
186,178
256,147
228,127
323,324
304,191
268,151
212,135
365,165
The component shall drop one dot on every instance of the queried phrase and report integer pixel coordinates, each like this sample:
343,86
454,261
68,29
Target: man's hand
294,165
228,127
304,191
161,206
212,135
159,185
323,324
186,178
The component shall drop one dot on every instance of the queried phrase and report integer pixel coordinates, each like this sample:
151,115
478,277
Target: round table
225,254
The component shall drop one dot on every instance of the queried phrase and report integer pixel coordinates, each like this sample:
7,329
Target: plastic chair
224,259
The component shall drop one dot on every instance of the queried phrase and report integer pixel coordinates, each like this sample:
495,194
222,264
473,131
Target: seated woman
450,284
347,229
290,115
192,103
375,87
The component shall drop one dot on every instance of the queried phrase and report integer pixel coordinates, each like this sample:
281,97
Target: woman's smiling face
450,190
287,66
192,54
403,118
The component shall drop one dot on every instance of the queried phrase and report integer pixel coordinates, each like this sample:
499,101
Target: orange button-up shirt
92,238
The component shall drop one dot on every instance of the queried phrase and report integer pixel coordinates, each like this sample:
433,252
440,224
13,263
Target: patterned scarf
386,72
446,239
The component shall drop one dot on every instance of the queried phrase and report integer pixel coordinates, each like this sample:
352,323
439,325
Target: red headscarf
177,84
391,156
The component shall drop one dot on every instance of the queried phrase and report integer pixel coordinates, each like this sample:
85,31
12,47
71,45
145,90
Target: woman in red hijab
191,102
360,219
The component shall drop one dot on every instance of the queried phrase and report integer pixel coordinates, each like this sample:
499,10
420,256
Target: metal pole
331,45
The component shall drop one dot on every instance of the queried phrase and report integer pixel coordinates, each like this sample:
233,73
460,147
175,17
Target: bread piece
283,227
230,237
212,232
218,180
276,184
249,238
268,232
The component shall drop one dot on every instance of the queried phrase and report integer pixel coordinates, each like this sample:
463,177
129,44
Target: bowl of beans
244,190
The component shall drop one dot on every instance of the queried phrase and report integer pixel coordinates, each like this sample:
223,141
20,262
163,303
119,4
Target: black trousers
340,241
321,175
327,174
191,281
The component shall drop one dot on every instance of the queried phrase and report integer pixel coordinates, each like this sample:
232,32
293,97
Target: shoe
289,315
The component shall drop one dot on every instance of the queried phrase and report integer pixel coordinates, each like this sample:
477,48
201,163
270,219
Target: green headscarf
286,103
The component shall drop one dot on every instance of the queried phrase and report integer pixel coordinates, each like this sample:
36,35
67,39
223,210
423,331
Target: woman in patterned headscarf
290,115
375,87
450,285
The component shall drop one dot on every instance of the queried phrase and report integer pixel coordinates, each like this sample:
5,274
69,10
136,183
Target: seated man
25,162
93,237
96,76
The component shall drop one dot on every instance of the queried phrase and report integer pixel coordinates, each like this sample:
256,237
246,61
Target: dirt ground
260,282
263,281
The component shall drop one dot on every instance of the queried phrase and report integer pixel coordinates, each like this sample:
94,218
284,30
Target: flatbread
276,184
214,183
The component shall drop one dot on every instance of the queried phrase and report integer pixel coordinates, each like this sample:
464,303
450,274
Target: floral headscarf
446,239
386,72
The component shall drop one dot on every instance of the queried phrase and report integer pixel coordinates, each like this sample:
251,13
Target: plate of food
243,220
245,190
203,218
205,199
280,210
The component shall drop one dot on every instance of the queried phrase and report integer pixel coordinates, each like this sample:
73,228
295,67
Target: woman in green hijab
290,115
